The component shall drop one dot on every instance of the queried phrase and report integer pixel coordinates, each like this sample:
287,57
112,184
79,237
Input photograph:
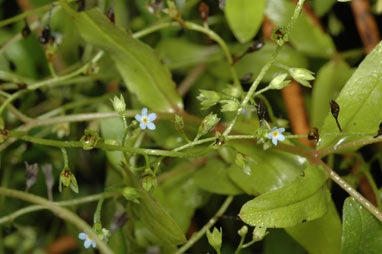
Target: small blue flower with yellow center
146,121
87,240
276,135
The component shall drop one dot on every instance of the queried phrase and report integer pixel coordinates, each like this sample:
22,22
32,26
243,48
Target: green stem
374,187
73,202
347,146
97,214
195,237
50,81
65,157
61,212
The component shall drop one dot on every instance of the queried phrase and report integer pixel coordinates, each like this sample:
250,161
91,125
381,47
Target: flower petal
94,244
274,141
281,130
274,129
87,243
151,126
82,236
270,135
152,117
142,125
281,137
144,112
138,117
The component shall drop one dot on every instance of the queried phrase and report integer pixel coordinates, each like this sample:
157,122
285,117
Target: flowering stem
61,212
195,237
65,157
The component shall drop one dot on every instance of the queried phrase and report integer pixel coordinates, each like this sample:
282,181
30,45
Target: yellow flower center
275,134
145,120
90,238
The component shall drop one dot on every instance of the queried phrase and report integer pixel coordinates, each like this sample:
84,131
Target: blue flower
88,240
146,120
276,135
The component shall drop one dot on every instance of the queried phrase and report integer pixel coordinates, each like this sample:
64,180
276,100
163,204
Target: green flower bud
259,233
243,231
208,123
172,10
130,194
3,135
208,98
279,82
149,181
229,105
89,140
119,104
233,91
68,179
215,238
302,76
179,123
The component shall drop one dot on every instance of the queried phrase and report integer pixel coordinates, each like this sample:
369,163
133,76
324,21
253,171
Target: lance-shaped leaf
359,101
140,68
154,216
305,199
362,232
244,17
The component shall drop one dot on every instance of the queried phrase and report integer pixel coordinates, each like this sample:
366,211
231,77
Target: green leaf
306,36
270,169
360,110
279,242
305,199
321,7
216,172
191,53
362,232
180,196
253,62
137,63
154,216
322,235
244,17
328,84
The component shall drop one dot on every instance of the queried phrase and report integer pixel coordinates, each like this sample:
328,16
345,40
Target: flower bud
3,135
68,179
243,231
119,104
179,123
302,76
215,238
130,194
89,140
279,82
149,181
208,123
229,105
233,91
208,98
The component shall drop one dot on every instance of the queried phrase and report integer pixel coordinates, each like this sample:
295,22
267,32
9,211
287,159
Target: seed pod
335,110
313,134
110,15
45,35
379,131
261,110
256,46
26,31
203,11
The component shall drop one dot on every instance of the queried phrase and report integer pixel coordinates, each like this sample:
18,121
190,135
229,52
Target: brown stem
366,24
